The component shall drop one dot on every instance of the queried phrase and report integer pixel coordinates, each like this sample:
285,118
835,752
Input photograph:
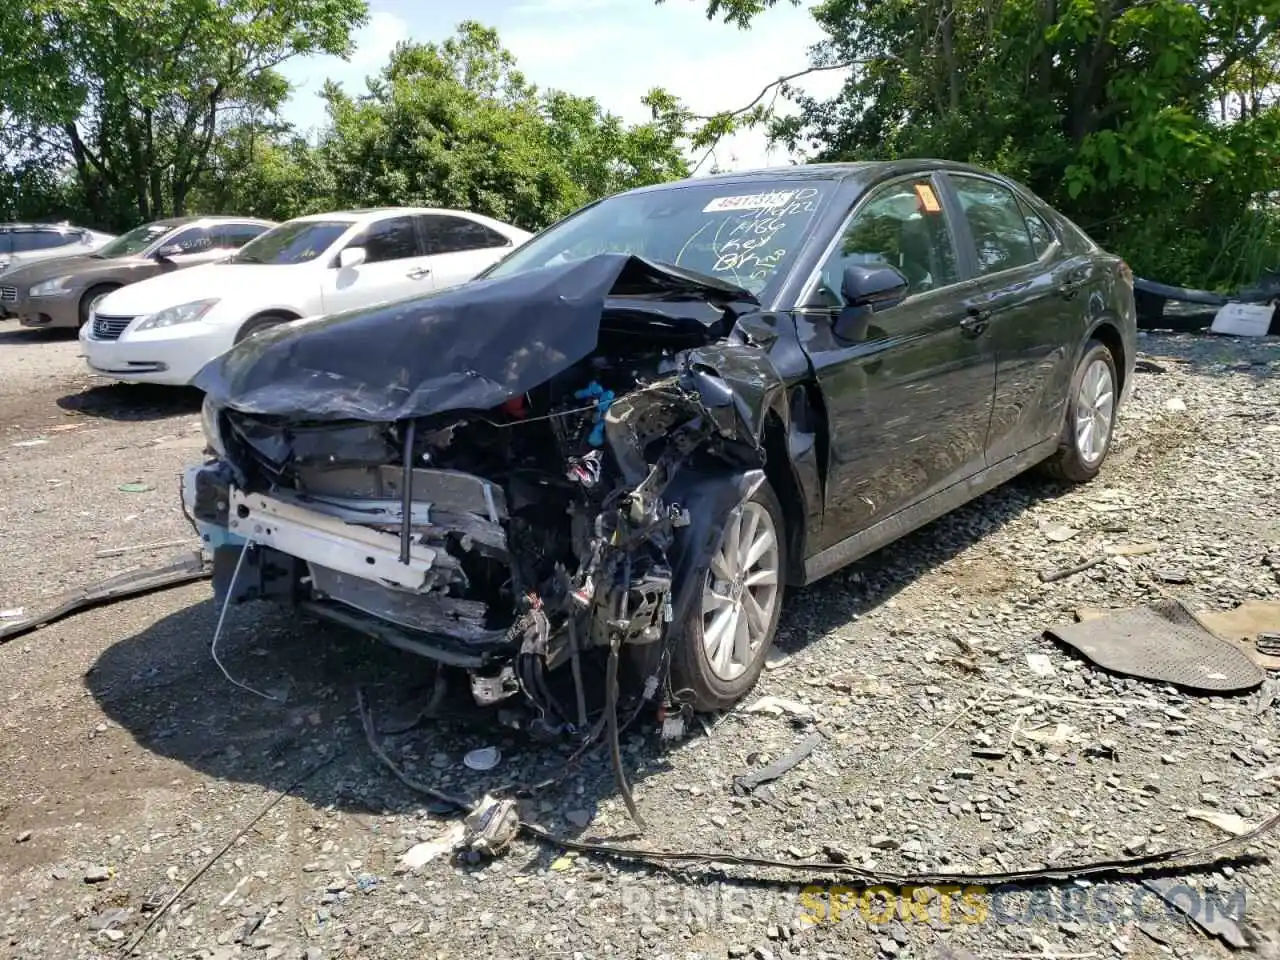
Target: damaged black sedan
635,431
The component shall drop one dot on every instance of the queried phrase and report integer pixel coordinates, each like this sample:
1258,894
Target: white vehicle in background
164,330
24,243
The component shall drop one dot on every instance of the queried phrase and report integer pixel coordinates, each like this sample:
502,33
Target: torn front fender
738,386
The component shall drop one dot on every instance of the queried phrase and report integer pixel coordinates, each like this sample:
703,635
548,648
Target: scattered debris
1055,736
744,783
1058,532
1130,549
483,758
136,487
419,855
1040,665
1061,573
1175,405
1143,365
131,584
1163,641
777,706
97,874
12,613
1227,822
491,826
1212,921
30,443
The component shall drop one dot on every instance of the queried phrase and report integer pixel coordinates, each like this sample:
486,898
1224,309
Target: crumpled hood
466,348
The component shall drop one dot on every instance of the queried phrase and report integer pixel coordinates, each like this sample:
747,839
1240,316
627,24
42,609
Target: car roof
171,222
856,170
369,213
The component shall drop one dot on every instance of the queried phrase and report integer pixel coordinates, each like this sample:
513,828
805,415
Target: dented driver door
909,388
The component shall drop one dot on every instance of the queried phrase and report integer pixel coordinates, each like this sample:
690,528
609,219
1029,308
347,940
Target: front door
908,394
394,268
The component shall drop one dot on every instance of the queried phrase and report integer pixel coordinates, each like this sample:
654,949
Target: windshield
299,241
746,234
135,241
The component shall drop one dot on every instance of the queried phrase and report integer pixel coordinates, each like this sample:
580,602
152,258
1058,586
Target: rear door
908,394
395,267
1032,320
459,248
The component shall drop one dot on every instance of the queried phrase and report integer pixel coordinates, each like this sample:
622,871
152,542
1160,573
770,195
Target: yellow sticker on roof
928,199
750,201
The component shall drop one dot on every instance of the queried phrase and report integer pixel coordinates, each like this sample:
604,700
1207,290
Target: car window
6,241
1042,237
134,242
903,226
236,235
25,240
390,239
298,241
995,219
193,240
443,234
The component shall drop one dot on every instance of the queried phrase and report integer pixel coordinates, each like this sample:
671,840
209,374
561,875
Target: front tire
730,631
1091,417
259,323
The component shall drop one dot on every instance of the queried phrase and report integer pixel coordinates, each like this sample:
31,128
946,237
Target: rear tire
1090,417
92,297
731,627
259,323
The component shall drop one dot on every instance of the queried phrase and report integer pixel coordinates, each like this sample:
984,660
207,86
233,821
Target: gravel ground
126,760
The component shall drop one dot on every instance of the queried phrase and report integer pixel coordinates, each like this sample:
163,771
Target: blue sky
614,50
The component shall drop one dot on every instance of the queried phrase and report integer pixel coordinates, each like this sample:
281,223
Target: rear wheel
92,297
729,634
1091,415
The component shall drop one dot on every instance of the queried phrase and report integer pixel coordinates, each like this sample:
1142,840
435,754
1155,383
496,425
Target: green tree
457,124
131,95
1153,123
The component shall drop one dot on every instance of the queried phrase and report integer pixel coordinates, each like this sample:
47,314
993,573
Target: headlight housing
212,432
171,316
49,288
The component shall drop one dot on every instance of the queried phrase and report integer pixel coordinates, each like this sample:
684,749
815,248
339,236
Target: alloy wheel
741,592
1095,407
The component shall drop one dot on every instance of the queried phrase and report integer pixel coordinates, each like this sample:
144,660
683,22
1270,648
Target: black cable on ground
615,745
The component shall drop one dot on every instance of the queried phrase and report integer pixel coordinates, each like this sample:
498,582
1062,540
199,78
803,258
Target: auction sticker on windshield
750,201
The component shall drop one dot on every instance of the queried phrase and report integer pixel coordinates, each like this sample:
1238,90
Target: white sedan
164,330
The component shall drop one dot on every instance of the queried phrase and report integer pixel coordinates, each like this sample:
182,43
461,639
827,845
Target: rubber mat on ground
1164,641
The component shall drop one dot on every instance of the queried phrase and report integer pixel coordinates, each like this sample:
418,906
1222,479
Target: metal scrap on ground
130,584
1164,641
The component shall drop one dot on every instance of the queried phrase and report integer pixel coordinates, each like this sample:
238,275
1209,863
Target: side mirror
865,290
168,251
872,287
352,257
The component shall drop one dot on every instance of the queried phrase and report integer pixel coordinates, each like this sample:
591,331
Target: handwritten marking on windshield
749,248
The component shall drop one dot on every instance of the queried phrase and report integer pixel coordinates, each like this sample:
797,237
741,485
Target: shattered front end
504,512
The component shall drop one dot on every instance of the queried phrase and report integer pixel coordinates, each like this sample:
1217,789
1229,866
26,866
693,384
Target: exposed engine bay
514,539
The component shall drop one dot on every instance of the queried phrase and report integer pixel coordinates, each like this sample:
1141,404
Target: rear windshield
747,234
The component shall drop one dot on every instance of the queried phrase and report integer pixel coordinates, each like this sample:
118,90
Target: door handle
418,273
976,322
